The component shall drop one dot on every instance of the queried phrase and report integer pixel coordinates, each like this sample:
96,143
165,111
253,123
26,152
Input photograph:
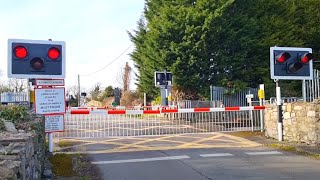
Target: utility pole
78,90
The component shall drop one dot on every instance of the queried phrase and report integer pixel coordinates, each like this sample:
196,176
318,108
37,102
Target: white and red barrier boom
163,110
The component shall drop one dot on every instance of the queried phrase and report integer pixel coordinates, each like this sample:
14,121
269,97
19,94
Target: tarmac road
206,164
191,157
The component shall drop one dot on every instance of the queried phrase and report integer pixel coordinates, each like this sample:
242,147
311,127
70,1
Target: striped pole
279,102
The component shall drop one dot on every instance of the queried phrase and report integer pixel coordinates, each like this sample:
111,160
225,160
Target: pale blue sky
94,32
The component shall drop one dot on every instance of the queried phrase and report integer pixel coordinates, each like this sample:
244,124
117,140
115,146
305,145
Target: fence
230,97
310,90
312,87
198,104
102,123
14,97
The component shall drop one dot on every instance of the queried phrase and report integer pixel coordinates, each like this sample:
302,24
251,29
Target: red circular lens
20,52
306,58
53,53
281,58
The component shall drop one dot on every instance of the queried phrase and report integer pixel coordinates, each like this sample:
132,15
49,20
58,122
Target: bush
130,98
157,101
14,113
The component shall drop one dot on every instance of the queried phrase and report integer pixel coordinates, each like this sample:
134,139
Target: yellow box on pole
261,94
31,96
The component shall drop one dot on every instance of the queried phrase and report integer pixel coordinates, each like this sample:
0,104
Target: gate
231,97
102,123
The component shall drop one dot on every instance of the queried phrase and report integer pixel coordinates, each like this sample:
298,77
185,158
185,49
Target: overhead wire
110,62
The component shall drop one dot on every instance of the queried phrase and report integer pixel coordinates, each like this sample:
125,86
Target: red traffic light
306,58
53,53
281,58
20,52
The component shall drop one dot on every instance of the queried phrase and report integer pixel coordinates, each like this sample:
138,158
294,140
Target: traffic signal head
163,78
291,63
36,59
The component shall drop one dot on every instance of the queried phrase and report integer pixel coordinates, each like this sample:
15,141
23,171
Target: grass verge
62,165
73,166
246,134
293,149
66,143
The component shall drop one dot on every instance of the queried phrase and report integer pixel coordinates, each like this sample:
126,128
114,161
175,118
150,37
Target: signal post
289,63
45,62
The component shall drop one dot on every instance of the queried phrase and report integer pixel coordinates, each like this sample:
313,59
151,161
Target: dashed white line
216,155
263,153
141,160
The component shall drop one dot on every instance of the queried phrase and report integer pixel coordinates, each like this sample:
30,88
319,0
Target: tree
224,42
124,77
72,93
96,92
17,85
108,92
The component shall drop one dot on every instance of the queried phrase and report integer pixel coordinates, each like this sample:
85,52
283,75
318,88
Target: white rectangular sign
49,82
54,123
50,101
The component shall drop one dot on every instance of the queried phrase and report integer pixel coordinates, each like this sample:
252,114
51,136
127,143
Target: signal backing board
282,70
36,59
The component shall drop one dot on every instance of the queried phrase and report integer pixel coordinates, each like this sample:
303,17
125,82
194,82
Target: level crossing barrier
123,107
84,123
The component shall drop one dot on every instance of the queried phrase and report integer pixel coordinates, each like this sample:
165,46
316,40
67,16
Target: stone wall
301,122
21,155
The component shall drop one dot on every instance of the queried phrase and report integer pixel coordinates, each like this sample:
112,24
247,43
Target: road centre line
263,153
216,155
180,157
141,160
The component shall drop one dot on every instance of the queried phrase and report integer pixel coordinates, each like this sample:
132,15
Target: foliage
14,113
130,98
73,101
101,96
157,101
4,88
108,92
210,42
96,92
62,165
73,166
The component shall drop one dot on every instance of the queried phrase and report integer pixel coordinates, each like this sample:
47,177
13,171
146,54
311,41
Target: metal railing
101,125
231,97
312,87
14,98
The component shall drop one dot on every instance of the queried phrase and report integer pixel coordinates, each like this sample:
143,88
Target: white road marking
216,155
263,153
141,160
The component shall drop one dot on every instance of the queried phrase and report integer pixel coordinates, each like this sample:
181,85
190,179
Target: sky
95,33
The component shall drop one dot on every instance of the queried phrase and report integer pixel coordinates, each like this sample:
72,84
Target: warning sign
54,123
49,101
